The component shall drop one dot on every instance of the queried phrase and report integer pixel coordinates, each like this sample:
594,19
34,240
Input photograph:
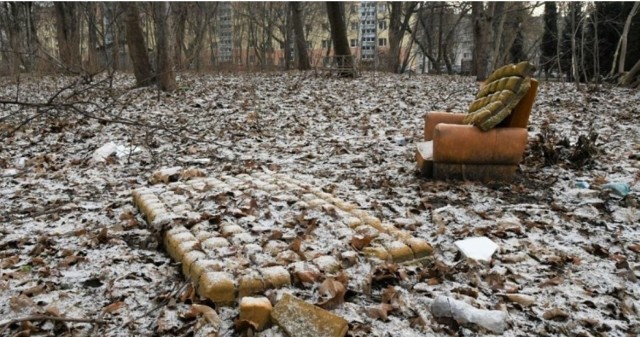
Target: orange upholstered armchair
453,150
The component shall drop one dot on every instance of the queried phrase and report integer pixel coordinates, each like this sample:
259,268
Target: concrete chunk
301,319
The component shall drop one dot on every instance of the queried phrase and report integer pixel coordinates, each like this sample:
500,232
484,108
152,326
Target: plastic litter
479,248
108,149
463,313
619,189
582,184
400,140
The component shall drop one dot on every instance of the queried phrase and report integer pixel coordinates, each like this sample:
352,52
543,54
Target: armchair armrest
431,119
466,144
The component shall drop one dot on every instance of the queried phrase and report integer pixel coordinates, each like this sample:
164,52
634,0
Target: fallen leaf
70,260
113,307
635,248
358,242
552,282
127,215
209,314
306,276
9,262
555,314
332,292
380,312
53,311
523,300
192,173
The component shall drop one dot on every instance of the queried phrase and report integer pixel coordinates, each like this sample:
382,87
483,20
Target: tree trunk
68,35
395,23
164,51
339,37
627,79
92,38
301,43
181,18
137,47
496,30
574,50
288,27
625,34
479,41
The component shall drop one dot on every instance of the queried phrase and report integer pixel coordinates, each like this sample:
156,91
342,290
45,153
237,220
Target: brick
420,247
218,287
250,284
203,266
301,319
378,252
256,310
189,259
399,251
276,276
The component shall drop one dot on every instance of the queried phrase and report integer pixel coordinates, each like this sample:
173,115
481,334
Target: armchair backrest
519,117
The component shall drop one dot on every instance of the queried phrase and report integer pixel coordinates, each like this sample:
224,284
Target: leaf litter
73,246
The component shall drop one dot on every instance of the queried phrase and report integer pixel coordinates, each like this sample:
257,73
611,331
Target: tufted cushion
504,88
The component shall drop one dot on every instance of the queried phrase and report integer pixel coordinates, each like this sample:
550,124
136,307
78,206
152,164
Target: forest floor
72,245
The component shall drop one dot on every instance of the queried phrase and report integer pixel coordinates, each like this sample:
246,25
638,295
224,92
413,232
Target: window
325,44
382,24
381,7
382,42
354,43
354,26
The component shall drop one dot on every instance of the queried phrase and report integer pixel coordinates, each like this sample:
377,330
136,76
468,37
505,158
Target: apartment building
367,32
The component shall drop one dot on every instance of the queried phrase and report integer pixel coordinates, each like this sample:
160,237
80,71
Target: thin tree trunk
137,47
623,38
93,38
301,43
164,74
479,41
68,32
497,28
181,18
574,57
627,79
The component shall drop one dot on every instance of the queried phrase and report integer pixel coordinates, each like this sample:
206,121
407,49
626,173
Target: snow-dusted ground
72,245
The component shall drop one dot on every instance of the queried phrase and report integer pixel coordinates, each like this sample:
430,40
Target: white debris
111,148
103,152
10,173
463,313
479,248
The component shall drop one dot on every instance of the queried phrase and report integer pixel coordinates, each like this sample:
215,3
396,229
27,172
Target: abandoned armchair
488,142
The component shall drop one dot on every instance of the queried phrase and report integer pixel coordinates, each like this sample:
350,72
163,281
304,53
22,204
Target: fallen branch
6,324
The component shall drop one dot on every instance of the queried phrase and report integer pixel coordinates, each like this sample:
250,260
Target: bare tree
68,35
301,41
437,28
164,51
335,13
398,25
137,46
480,41
621,49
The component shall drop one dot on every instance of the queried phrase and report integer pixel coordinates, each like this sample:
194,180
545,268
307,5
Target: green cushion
504,88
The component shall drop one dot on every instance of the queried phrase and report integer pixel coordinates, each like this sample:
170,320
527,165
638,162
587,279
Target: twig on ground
5,325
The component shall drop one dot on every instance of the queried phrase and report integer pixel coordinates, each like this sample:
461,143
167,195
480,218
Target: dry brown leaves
332,294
